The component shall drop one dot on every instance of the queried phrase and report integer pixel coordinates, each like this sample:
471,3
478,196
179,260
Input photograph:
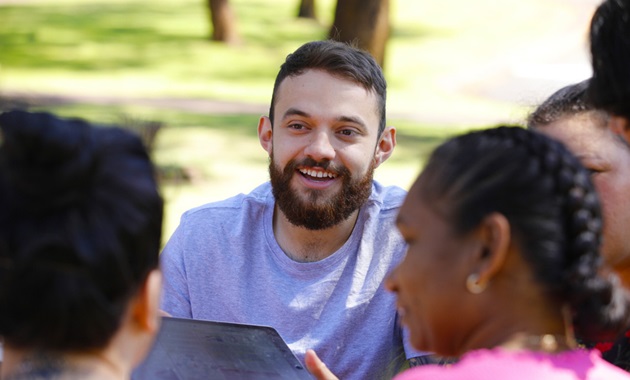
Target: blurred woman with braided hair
502,268
569,116
504,230
80,232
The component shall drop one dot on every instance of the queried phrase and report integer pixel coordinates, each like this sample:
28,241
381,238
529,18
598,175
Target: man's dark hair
337,59
610,55
80,230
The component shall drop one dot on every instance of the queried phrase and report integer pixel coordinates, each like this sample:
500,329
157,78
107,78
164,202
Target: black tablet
187,349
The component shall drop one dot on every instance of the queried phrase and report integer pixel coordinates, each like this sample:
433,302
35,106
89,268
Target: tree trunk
307,9
223,21
364,22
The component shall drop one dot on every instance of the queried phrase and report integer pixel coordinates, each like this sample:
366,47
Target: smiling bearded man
308,251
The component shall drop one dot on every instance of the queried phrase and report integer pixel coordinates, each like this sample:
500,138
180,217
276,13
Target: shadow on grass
241,124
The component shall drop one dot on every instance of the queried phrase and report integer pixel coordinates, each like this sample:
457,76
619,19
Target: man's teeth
317,173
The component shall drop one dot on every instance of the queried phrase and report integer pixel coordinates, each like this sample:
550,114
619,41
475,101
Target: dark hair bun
46,159
80,229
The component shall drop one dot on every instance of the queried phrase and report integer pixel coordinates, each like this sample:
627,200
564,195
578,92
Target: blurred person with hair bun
80,232
569,116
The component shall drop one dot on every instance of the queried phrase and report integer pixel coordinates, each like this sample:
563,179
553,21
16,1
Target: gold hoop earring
473,285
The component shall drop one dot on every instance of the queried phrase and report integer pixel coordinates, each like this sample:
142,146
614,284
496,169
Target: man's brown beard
318,214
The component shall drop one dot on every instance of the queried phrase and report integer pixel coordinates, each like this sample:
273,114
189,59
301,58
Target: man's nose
320,147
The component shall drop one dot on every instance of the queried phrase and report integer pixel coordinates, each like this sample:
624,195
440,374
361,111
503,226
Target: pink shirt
521,365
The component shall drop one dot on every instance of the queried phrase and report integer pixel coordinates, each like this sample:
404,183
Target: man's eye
347,132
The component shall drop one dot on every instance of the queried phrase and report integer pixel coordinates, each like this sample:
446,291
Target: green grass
160,48
141,47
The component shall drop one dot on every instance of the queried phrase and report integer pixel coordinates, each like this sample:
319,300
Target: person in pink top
503,266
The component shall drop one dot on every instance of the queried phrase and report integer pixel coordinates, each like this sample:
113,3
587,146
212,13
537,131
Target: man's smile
317,174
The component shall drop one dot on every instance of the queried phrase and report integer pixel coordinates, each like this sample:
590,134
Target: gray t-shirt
223,263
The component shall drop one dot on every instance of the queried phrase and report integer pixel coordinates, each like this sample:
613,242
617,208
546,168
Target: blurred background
193,76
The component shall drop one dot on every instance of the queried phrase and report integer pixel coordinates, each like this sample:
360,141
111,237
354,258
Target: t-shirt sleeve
175,296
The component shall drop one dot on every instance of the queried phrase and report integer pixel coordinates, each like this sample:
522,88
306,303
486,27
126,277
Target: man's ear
145,310
265,134
494,235
385,145
620,126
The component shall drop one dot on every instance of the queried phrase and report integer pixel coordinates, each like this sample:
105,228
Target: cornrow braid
581,286
552,207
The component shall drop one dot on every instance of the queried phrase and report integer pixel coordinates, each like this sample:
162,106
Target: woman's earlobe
155,294
145,308
473,284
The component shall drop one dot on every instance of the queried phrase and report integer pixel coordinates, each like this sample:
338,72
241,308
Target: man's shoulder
387,197
237,204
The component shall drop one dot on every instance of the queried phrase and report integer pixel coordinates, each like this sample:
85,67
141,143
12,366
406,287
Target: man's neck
305,245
